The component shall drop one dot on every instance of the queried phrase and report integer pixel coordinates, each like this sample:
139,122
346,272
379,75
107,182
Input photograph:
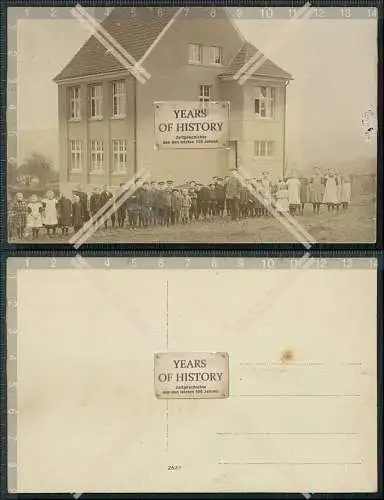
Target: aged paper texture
192,124
301,411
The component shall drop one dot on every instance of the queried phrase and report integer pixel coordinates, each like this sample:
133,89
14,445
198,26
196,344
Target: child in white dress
50,220
34,219
282,202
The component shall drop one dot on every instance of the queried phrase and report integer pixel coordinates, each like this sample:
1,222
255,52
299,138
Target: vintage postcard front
191,124
192,375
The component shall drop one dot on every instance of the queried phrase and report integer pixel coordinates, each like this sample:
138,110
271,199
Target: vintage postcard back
191,125
111,362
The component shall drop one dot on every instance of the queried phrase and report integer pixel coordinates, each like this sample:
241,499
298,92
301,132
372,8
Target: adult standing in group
293,185
105,196
330,193
83,197
233,194
304,193
220,196
95,203
316,188
64,212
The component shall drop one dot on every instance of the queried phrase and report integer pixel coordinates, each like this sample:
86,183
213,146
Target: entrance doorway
232,155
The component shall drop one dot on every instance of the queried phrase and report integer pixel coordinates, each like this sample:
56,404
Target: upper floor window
215,55
194,53
74,103
118,98
264,148
96,101
205,93
264,102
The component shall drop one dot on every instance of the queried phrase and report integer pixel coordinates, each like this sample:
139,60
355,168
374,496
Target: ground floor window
264,148
97,156
75,156
119,148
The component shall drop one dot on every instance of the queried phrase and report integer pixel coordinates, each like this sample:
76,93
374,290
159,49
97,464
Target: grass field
356,225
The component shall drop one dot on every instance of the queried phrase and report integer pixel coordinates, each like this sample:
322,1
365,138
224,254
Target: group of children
164,204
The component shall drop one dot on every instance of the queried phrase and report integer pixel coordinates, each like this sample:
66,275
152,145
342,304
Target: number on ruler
268,263
318,12
347,263
266,13
345,12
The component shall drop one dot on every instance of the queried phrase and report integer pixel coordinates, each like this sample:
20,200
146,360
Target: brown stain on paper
287,356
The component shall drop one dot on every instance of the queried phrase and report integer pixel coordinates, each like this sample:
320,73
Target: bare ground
356,225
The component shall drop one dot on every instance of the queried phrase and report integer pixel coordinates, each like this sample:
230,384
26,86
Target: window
75,147
215,55
119,147
264,102
96,101
264,148
97,156
205,93
74,103
194,53
118,98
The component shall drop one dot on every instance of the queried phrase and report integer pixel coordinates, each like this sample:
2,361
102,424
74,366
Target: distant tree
11,172
37,166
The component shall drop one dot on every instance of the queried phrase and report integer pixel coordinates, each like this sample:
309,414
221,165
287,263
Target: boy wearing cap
122,210
233,194
168,203
145,202
220,196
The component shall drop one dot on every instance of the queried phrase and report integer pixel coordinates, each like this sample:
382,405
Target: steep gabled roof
134,33
246,52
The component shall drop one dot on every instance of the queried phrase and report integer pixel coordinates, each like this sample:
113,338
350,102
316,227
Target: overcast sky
333,63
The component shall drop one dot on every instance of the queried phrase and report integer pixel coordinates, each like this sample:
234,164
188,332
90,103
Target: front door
232,155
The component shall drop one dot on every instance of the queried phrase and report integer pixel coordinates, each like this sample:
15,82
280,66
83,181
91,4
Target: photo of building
106,116
185,124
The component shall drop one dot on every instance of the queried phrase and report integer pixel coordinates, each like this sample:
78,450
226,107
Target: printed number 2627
174,467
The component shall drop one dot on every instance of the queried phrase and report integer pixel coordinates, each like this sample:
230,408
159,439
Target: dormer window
264,102
215,55
194,53
205,93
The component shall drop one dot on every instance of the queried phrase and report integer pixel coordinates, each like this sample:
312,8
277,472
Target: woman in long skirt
293,184
330,192
345,195
316,188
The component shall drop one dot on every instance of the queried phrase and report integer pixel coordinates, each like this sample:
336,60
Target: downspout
284,119
135,126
